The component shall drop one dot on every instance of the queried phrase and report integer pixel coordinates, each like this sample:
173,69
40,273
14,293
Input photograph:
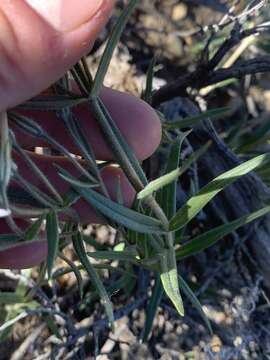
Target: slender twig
207,73
200,79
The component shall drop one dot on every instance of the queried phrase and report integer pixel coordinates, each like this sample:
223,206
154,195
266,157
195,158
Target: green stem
37,171
116,147
5,163
127,166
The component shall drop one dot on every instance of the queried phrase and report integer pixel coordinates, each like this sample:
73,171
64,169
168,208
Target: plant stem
115,146
5,164
127,166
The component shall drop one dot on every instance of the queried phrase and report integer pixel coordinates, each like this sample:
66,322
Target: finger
112,177
137,121
22,255
29,254
41,40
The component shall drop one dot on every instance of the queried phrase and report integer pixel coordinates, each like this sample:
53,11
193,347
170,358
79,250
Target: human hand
39,41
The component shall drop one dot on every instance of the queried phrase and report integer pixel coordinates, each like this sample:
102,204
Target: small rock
179,12
216,344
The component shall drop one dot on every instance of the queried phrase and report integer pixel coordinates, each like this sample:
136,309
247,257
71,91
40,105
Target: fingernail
66,15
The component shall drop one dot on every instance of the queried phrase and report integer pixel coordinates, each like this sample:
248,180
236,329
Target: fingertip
82,38
113,178
24,255
61,14
64,31
138,121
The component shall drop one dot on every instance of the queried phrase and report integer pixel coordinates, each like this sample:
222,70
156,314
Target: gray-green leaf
196,203
209,238
80,250
52,230
120,214
169,279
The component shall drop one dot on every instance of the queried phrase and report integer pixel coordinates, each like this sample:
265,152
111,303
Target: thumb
41,39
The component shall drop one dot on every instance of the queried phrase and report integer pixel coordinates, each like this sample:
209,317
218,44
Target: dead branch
202,78
206,73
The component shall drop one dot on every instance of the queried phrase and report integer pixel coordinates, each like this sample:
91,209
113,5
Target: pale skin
39,41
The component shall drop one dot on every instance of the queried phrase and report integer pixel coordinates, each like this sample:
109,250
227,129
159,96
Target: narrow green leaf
169,279
52,229
26,124
124,281
71,197
119,193
152,308
117,143
195,302
34,229
72,180
77,132
209,238
111,45
36,193
196,203
87,72
5,164
120,214
34,168
147,94
76,272
79,76
52,103
5,152
113,255
167,197
81,253
159,183
22,197
123,154
29,126
214,114
67,270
